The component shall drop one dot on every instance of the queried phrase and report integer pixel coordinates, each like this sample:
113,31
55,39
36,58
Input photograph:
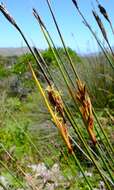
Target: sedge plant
56,107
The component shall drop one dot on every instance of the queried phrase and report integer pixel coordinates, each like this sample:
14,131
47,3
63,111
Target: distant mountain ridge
11,51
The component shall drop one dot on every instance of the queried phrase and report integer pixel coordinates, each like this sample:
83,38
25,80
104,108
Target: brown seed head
55,99
86,109
81,91
75,3
100,24
103,12
7,15
64,133
35,13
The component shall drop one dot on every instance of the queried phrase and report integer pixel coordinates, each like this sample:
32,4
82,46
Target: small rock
55,168
4,181
88,174
40,169
102,185
48,179
49,186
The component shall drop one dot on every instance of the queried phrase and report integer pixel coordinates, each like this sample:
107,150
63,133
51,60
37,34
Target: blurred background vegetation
23,113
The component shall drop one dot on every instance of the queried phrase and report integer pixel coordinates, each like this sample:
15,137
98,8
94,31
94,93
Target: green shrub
14,138
13,104
3,71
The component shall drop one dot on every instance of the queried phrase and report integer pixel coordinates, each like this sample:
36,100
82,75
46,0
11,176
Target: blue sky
67,17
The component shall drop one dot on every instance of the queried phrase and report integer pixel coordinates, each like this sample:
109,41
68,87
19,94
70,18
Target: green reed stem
82,171
52,49
108,142
47,104
105,163
62,40
77,130
96,38
46,36
87,24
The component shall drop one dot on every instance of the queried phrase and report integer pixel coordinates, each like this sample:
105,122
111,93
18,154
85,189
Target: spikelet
35,13
7,15
75,3
100,24
55,100
86,109
58,120
64,132
57,103
103,12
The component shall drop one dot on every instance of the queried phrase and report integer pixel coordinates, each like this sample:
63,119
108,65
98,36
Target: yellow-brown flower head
86,109
55,99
